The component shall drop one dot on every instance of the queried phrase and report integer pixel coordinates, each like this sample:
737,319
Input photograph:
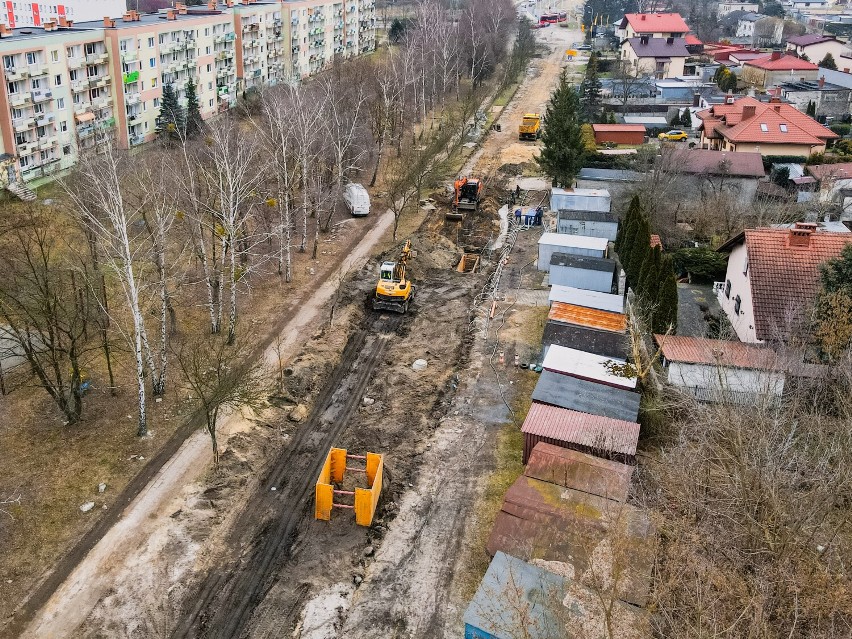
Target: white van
357,199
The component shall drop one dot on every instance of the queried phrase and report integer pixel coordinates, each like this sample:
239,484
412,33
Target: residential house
768,128
584,271
745,25
551,243
770,31
834,185
23,15
776,68
656,57
706,172
727,7
653,25
814,47
721,370
831,101
589,223
773,278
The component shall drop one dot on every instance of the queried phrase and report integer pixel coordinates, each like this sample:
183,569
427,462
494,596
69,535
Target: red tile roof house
721,371
775,68
655,25
768,128
703,171
773,278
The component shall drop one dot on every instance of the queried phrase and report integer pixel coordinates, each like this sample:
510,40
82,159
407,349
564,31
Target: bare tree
215,375
628,80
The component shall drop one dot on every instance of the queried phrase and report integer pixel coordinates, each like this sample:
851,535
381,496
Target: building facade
17,14
66,81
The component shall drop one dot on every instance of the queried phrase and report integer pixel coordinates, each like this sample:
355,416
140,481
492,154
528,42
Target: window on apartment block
60,103
152,63
90,48
8,61
31,57
728,289
146,126
20,138
210,103
156,103
13,87
17,113
36,83
209,68
25,161
95,93
151,43
154,83
66,150
207,50
63,127
91,72
162,38
737,304
73,75
57,80
54,56
77,99
41,131
209,86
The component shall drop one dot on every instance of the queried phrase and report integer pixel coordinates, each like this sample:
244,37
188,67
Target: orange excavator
468,192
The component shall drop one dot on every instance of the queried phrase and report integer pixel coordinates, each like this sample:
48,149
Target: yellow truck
530,128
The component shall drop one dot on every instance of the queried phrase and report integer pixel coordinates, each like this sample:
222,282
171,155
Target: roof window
783,128
763,127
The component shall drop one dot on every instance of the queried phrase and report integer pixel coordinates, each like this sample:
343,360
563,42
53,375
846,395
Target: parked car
674,134
357,199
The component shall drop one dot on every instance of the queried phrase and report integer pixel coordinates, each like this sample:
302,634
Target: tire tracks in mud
227,596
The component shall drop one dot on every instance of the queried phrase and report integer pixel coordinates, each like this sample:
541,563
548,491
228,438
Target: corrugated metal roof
589,339
618,128
591,431
593,318
573,469
508,581
574,241
595,368
586,298
585,262
586,397
699,350
540,520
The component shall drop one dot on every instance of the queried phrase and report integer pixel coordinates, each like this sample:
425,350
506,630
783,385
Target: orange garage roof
591,317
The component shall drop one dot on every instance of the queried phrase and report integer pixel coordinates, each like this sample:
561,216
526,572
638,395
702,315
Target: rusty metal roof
540,520
584,316
716,352
591,431
586,397
573,469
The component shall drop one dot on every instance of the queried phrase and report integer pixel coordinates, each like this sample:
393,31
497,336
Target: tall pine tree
590,91
194,123
562,155
649,275
665,313
630,231
632,212
172,119
639,251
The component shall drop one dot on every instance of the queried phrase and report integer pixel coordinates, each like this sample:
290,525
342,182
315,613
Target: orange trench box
332,473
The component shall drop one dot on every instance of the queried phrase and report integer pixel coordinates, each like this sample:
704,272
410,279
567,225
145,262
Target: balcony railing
23,124
129,56
40,95
16,73
20,99
75,63
96,58
45,118
37,70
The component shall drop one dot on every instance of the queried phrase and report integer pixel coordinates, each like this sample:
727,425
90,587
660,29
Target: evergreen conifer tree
562,154
639,251
665,314
194,123
590,91
627,241
632,211
828,62
649,275
172,119
686,119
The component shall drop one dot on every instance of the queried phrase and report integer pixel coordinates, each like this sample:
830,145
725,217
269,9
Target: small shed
619,133
585,298
550,243
584,316
516,599
604,437
580,200
573,469
588,223
602,342
720,370
589,366
540,521
583,271
584,396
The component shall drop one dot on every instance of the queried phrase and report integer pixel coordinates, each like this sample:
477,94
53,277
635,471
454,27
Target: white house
773,278
815,47
727,7
720,370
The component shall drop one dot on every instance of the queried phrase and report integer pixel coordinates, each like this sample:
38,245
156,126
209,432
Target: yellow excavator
394,291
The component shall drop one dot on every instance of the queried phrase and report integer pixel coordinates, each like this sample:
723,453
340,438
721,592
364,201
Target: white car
357,199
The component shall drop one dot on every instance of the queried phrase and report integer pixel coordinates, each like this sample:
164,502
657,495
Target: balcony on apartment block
97,58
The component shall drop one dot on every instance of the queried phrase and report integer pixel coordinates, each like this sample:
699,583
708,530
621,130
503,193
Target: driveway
694,301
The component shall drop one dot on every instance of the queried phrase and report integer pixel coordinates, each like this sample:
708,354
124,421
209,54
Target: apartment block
17,13
68,81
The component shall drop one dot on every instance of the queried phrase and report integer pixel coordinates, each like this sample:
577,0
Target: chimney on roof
775,99
777,107
643,39
800,234
821,82
776,55
50,25
670,40
4,30
643,16
696,99
171,14
211,5
63,21
127,17
181,8
108,22
748,111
